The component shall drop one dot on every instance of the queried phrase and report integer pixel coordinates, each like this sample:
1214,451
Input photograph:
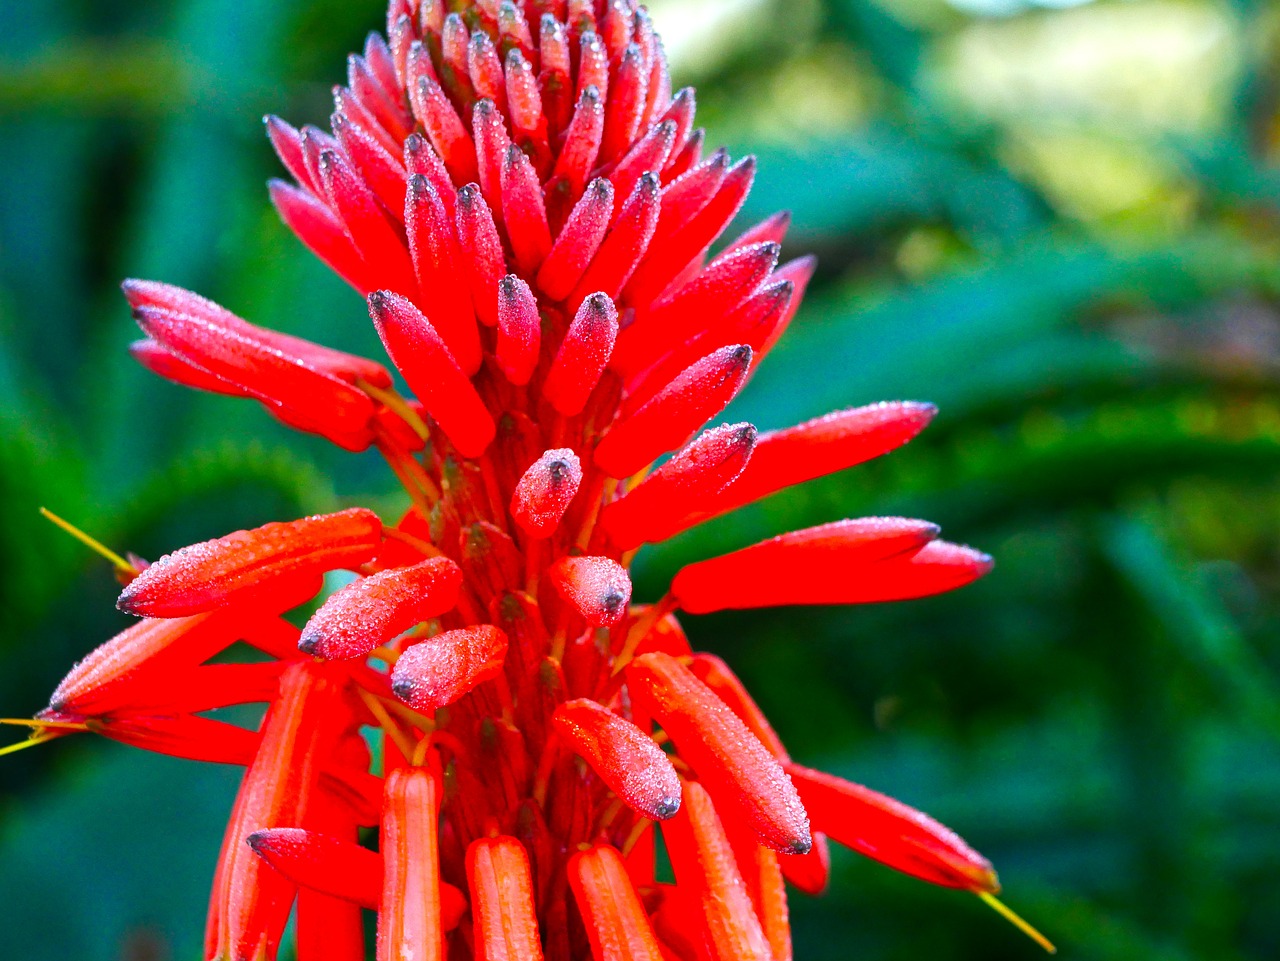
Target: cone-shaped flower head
528,211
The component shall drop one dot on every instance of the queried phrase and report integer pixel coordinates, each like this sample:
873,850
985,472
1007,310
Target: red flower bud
544,491
519,330
833,563
578,241
338,868
436,262
432,372
373,610
439,670
728,758
598,588
671,498
823,446
583,354
582,139
523,212
250,902
707,872
624,245
625,757
680,408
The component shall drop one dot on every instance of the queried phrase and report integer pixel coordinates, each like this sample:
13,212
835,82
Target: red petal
614,917
502,903
215,573
892,833
844,562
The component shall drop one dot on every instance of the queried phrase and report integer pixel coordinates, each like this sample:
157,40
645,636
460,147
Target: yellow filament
398,405
22,745
389,726
36,724
118,562
1009,915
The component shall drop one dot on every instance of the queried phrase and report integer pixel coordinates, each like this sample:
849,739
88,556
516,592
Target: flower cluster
529,212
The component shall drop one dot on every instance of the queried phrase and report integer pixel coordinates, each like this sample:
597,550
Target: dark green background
1060,225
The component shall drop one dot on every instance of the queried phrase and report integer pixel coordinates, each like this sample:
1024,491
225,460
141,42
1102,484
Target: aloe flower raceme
529,212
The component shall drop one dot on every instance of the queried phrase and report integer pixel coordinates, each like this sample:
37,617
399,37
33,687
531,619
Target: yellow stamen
417,543
22,745
640,629
389,726
36,724
397,404
1009,915
637,832
118,562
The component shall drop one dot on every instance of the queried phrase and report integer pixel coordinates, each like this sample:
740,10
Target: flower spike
538,227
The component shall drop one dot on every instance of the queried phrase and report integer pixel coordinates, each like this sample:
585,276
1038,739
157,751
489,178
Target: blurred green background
1058,221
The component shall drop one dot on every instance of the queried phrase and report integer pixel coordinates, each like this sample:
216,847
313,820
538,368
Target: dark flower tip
800,846
666,808
612,601
308,643
258,841
556,469
742,355
402,688
378,300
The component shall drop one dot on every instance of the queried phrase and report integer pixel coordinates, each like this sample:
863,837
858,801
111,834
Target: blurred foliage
1058,222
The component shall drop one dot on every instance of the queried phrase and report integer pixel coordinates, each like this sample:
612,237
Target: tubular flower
527,210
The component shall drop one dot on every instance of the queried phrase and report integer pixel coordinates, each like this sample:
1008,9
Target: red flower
527,209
